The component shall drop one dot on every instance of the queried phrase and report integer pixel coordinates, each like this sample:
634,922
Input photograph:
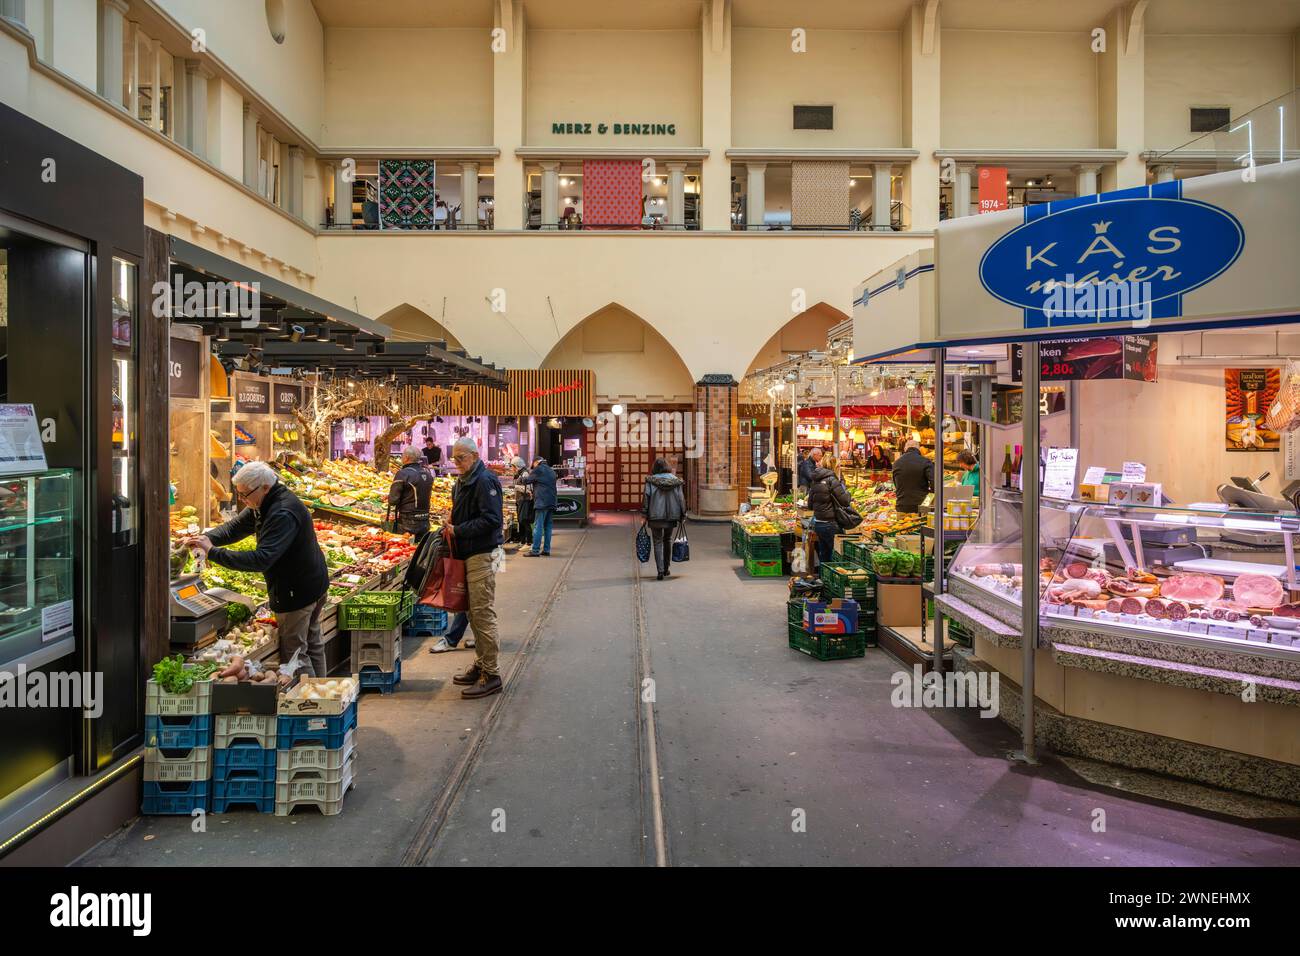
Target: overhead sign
1130,357
184,369
993,188
252,396
1200,249
617,129
287,398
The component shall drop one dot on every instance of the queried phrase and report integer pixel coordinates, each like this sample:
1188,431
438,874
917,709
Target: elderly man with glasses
476,529
297,581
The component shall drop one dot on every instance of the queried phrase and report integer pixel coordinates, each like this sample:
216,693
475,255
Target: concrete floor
752,738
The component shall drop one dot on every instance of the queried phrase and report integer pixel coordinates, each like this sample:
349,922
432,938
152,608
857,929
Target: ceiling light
347,342
618,409
223,334
853,182
323,334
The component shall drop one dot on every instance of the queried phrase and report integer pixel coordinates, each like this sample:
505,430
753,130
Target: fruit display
890,522
771,517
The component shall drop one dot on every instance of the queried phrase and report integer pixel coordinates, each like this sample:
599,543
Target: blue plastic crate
426,622
243,758
178,733
372,678
245,788
175,798
318,731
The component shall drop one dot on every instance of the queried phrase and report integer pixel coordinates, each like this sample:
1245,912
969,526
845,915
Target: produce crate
737,539
372,678
763,569
244,758
846,580
165,765
763,547
321,788
828,647
295,704
376,648
426,622
162,704
375,610
235,729
178,733
245,788
320,731
175,798
858,553
287,762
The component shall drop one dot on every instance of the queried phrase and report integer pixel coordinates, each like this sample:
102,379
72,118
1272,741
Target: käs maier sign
1207,249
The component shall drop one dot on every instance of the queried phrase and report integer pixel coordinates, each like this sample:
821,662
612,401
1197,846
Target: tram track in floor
647,730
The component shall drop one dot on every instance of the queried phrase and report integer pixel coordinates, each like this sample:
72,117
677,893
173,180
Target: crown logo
1101,227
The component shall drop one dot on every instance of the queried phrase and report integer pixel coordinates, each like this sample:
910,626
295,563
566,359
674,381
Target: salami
1156,608
1258,590
1115,605
1076,569
1131,605
1196,588
1176,610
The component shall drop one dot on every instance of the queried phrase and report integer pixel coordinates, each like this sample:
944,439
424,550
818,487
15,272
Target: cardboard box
898,605
839,616
1093,492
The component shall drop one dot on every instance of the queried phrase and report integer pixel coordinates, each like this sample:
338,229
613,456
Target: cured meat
1258,590
1126,588
1097,605
1287,610
1227,605
987,570
1115,605
1231,616
1076,569
1132,605
1156,608
1100,575
1176,610
1141,577
1196,588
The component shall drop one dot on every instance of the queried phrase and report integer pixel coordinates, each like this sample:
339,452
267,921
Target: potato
230,680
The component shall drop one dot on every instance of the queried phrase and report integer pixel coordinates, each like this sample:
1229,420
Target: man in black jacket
542,481
809,465
408,497
297,581
476,528
913,478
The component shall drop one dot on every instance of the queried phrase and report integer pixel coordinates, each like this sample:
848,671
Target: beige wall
804,333
1018,90
857,72
411,324
289,75
633,363
1240,72
407,88
613,76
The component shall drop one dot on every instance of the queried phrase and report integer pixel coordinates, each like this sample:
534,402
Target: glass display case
1143,571
37,517
125,406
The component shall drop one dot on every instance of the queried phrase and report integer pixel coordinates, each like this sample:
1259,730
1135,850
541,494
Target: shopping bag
643,544
422,562
681,547
447,587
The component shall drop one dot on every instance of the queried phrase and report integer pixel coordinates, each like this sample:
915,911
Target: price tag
1134,471
1094,475
1222,630
352,578
1058,481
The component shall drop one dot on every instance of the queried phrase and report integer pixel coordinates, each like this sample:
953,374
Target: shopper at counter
476,526
523,502
287,554
970,467
913,478
408,497
825,492
542,481
664,507
432,453
808,466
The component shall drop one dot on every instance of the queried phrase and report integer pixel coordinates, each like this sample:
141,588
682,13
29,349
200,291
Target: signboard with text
252,396
287,398
993,188
1131,357
184,369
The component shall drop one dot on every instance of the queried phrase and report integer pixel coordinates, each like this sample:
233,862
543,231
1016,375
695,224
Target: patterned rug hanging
407,194
611,193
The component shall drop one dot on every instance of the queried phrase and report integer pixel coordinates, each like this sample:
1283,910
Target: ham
1193,588
1258,590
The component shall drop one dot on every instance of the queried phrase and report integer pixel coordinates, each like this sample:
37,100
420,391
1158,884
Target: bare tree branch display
384,443
328,405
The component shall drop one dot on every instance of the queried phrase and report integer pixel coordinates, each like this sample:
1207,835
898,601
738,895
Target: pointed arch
632,361
803,333
412,324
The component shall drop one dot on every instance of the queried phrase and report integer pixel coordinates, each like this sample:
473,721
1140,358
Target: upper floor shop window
1207,119
814,117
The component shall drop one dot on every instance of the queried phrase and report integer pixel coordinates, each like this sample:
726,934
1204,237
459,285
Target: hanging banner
1247,394
184,368
993,188
1131,357
252,396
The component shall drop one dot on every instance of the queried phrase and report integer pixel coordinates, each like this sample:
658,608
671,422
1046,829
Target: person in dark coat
432,453
664,507
808,466
542,481
879,459
825,492
287,554
913,478
523,503
476,531
408,496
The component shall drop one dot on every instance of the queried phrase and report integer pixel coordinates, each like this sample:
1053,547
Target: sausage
1115,606
1176,610
1131,605
1156,608
1076,569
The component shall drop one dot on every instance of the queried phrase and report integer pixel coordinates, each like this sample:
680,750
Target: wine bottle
1016,465
1007,469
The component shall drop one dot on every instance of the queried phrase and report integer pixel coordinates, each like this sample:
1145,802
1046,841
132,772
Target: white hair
411,453
254,475
912,443
465,444
519,462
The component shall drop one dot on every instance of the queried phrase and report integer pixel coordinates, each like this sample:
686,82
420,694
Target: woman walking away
664,508
825,491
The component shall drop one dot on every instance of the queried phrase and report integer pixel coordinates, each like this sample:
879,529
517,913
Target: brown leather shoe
471,676
486,687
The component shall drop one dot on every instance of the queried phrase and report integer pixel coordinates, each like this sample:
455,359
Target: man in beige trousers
476,528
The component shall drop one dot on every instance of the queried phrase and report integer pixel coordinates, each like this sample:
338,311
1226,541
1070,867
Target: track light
347,342
323,333
223,334
296,332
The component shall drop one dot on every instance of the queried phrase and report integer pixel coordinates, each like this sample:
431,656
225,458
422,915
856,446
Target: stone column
112,29
755,195
342,195
961,192
676,194
155,84
1085,180
509,78
180,103
881,196
293,182
1164,174
15,12
250,147
715,115
131,69
468,195
550,193
716,473
196,107
921,68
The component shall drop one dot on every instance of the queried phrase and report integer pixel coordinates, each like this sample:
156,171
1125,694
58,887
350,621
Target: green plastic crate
838,584
764,547
866,616
395,609
763,569
858,553
737,539
828,647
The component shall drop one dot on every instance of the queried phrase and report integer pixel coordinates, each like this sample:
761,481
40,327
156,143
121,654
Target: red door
616,474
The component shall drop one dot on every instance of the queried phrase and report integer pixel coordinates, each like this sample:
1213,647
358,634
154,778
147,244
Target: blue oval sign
1111,260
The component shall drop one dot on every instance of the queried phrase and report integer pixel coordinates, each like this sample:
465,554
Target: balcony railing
1267,134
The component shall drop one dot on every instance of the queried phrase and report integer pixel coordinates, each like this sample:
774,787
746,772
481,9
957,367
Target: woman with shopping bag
664,507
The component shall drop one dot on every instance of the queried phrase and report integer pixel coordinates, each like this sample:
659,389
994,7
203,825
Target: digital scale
198,611
1246,494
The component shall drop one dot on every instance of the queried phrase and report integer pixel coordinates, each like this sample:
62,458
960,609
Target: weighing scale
1247,495
197,611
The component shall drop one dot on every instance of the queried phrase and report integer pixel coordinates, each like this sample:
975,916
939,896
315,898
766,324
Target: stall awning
408,363
894,310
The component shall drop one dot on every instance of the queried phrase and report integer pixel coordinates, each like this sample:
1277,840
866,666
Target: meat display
1258,590
1132,605
1177,610
1076,569
1196,588
1156,608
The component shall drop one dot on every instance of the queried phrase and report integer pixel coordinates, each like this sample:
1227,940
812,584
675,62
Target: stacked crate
178,750
843,580
315,749
824,647
737,539
426,622
244,762
377,658
763,555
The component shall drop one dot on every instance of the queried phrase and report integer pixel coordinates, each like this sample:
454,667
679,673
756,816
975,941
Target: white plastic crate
294,704
162,766
157,702
289,762
259,727
314,788
376,648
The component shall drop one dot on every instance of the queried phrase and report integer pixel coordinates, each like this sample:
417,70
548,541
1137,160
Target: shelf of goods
764,536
